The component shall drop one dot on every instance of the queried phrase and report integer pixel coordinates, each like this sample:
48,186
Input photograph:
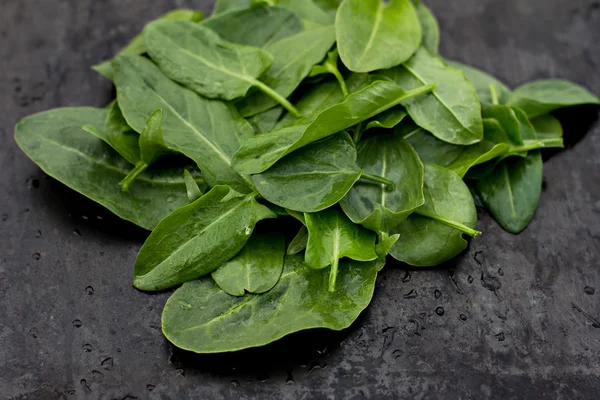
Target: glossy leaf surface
482,82
376,34
255,269
200,317
198,238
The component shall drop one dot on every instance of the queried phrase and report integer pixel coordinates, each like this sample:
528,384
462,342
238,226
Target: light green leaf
383,248
387,119
482,82
223,6
330,66
308,10
198,238
255,269
200,317
547,127
376,34
429,26
193,189
266,121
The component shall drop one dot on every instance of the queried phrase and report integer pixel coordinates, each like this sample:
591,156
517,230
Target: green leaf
429,26
267,120
299,242
453,102
376,34
207,131
308,10
193,189
293,58
255,269
482,82
383,248
542,96
198,238
434,233
375,206
117,134
507,118
387,119
332,236
223,6
258,26
55,141
312,178
547,127
200,317
512,191
259,153
330,66
137,46
199,59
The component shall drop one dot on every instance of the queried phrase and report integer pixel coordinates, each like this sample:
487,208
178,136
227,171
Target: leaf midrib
374,31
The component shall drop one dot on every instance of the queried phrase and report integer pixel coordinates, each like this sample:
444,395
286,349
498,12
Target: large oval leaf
451,112
256,268
376,34
197,239
207,131
375,206
260,152
547,127
312,178
434,233
55,141
200,317
199,59
512,191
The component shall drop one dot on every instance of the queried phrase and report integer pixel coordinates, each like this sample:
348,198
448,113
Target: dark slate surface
517,316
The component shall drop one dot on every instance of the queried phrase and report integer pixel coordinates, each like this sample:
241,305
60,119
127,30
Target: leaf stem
456,225
413,93
529,145
340,79
128,180
378,179
357,134
494,93
277,97
333,274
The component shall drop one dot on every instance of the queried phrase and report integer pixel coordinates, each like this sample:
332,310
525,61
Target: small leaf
482,82
429,26
193,189
299,242
547,127
330,66
383,248
387,120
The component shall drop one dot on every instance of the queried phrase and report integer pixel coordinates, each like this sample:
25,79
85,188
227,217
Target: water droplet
180,372
247,231
36,256
463,317
86,386
406,277
439,311
89,290
77,232
184,305
38,234
397,353
500,336
411,295
87,347
235,384
171,198
437,294
77,323
107,363
97,376
118,350
322,351
290,379
262,378
150,387
490,282
99,217
33,183
4,217
589,290
470,279
71,392
500,272
33,332
315,366
84,217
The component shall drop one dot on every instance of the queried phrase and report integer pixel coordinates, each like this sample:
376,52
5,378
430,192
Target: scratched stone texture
515,317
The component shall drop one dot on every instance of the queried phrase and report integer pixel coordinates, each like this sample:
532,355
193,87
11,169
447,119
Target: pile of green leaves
340,121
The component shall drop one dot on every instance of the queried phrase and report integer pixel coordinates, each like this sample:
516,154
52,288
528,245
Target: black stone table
515,317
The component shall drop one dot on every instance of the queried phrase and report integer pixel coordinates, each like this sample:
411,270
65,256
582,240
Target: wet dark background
515,317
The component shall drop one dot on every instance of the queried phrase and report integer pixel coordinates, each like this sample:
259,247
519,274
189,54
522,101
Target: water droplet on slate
38,234
171,198
33,183
77,232
97,376
33,332
322,351
107,363
406,277
500,336
235,384
411,295
84,217
36,256
290,379
397,353
77,323
4,217
89,290
589,290
71,392
470,279
86,386
439,311
437,294
87,347
490,282
500,272
99,217
150,387
315,366
262,378
184,305
180,372
463,317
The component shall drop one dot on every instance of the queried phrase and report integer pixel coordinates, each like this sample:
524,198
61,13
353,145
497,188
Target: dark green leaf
332,236
429,26
507,119
267,120
542,96
200,317
387,119
375,206
375,34
299,242
547,127
255,269
198,238
207,131
55,141
312,178
482,82
453,102
434,233
512,191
